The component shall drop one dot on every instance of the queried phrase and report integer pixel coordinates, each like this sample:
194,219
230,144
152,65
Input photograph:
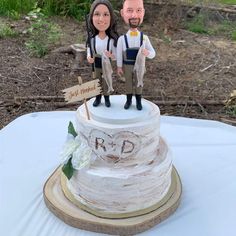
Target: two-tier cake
130,171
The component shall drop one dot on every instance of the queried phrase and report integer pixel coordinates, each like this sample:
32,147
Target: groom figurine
127,49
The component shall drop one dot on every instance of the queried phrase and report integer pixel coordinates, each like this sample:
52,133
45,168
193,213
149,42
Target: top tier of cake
125,137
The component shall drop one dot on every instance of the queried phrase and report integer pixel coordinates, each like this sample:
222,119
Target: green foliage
36,49
231,110
71,129
197,25
208,2
74,8
230,104
6,31
225,28
165,38
234,35
68,169
15,15
36,13
42,34
233,2
15,7
203,25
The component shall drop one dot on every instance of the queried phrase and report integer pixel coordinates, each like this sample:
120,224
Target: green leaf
68,169
71,129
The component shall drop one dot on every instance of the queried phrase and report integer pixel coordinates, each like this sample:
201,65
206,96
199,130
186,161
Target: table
204,153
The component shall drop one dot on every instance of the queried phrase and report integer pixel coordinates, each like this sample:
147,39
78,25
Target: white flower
69,148
80,152
70,137
82,156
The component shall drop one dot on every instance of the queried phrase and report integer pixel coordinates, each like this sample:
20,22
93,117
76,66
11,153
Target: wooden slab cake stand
75,216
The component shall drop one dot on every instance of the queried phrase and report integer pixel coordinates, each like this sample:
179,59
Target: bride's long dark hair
112,30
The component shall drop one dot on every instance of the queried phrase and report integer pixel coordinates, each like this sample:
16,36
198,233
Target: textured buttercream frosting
132,165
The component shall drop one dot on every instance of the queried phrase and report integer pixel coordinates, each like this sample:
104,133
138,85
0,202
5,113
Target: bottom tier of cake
122,192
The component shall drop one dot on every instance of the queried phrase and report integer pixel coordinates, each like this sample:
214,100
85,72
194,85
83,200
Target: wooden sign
82,91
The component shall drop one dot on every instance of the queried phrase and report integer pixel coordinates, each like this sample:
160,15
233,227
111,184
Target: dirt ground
191,76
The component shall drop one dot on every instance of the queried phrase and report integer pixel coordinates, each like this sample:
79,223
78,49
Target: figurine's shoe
128,101
97,100
139,107
107,101
127,105
138,102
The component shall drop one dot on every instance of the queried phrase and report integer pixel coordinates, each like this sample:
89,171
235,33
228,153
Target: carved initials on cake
123,144
99,143
127,147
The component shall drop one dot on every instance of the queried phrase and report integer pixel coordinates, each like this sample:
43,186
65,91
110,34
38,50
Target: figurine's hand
120,71
109,54
90,60
145,52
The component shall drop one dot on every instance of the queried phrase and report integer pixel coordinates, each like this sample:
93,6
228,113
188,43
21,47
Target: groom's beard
134,22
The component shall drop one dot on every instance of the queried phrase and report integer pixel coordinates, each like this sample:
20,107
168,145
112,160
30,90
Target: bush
74,8
14,7
43,34
6,31
202,23
198,25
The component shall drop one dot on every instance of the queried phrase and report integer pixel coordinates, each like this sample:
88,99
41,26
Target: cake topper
132,49
81,92
101,45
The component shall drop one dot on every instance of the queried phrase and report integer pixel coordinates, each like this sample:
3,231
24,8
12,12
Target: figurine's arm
111,54
89,58
119,56
148,50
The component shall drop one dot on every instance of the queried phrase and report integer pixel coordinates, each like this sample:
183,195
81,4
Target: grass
225,28
6,31
198,24
203,25
232,2
231,110
11,7
209,2
233,35
231,104
42,35
74,8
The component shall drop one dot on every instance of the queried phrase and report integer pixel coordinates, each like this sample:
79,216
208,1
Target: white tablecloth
204,153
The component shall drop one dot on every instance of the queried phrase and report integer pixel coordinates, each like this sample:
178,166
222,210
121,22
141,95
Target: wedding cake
121,165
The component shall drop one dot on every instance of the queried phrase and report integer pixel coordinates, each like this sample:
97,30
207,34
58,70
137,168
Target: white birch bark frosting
132,167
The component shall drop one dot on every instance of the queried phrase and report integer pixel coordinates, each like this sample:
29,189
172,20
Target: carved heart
122,144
